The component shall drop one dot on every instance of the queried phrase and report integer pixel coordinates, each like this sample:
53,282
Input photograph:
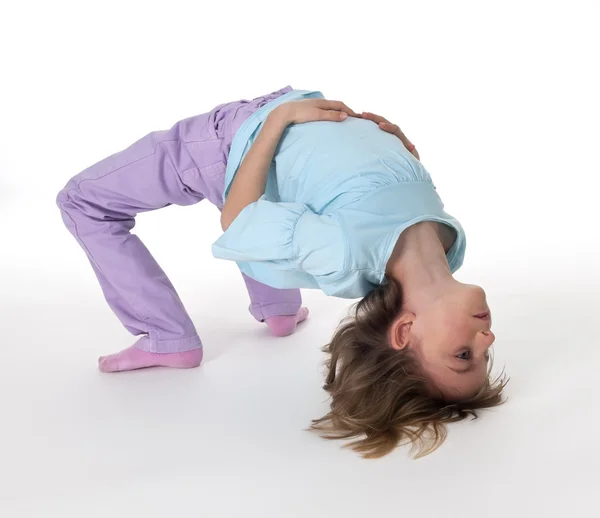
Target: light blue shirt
338,196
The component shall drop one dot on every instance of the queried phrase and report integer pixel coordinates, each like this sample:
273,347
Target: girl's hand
307,110
386,125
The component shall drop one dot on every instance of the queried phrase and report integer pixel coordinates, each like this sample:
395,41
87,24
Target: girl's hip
224,120
208,138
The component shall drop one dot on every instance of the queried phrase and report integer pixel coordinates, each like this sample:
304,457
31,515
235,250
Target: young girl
312,195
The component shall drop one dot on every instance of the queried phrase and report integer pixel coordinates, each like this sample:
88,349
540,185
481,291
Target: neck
418,262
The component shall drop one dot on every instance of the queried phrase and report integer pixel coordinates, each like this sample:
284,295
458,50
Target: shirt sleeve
288,236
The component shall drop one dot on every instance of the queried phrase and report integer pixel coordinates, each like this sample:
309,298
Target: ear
400,330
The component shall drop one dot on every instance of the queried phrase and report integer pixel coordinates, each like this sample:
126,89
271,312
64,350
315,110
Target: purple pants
182,165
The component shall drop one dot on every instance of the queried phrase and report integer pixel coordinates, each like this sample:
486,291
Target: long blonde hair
379,394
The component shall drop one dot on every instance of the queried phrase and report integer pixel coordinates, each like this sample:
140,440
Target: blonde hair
379,394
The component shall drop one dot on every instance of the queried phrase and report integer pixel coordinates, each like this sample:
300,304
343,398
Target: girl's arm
394,129
251,178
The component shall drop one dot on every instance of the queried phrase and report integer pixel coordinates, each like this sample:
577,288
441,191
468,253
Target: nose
487,338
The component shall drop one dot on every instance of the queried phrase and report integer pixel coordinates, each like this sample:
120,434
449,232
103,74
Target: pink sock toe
302,314
285,325
133,358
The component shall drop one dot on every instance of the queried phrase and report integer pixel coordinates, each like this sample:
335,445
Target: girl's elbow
224,225
225,221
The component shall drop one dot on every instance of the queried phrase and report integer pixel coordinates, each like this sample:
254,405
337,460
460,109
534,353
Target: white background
501,100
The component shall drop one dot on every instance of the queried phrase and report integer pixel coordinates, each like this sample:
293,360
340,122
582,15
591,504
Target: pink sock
284,325
132,358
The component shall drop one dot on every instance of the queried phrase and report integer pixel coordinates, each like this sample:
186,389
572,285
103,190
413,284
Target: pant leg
266,301
99,206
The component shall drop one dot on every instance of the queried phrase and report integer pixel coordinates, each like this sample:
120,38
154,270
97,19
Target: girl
312,195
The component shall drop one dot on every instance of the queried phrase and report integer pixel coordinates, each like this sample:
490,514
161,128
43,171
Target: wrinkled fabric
182,165
338,196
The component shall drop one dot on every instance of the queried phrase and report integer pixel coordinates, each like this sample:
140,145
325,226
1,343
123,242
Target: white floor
227,439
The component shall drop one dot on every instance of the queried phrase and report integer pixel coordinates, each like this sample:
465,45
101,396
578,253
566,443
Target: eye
465,355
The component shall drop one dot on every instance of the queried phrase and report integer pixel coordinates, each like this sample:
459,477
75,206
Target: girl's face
452,339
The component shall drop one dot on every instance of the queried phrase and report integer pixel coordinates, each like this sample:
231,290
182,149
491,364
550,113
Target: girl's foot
284,325
131,358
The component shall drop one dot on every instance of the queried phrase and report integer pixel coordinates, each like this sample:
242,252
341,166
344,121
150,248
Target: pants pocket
208,181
